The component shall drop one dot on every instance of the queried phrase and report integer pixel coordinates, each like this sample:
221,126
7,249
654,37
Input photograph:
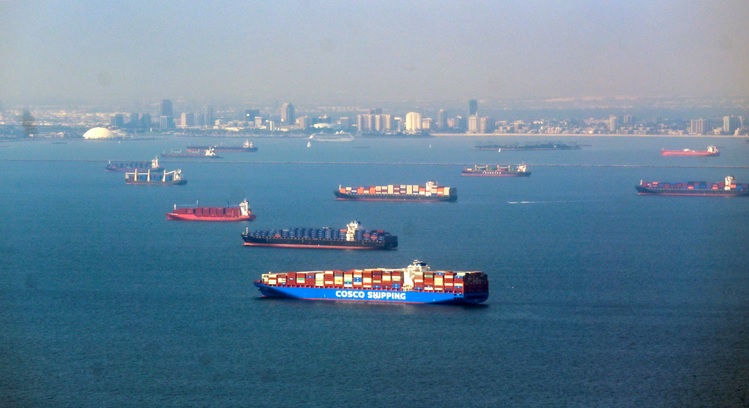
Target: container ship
247,146
130,166
711,151
726,188
398,192
162,178
242,212
416,283
529,146
490,170
351,237
192,153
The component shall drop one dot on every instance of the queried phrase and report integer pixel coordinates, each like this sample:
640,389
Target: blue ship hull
370,295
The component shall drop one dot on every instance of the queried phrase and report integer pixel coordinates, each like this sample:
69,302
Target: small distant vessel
247,146
351,237
242,212
209,153
161,178
416,283
129,166
712,150
309,144
398,192
496,170
726,188
528,146
339,136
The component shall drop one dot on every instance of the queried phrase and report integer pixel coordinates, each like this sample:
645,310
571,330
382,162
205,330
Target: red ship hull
209,218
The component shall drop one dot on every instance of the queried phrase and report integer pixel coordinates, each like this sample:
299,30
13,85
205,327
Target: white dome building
98,133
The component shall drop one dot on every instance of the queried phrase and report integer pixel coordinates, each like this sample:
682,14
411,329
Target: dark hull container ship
242,212
416,283
491,170
131,166
726,188
398,192
529,146
351,237
161,178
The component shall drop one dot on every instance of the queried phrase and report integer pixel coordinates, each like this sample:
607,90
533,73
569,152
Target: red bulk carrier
712,150
241,212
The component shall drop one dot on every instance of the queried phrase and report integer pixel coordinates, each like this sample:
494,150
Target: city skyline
335,51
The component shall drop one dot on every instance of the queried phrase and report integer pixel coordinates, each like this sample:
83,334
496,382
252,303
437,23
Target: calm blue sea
599,297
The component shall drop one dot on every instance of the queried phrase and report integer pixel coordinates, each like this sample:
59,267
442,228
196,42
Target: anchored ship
529,146
726,188
247,146
161,178
491,170
398,192
712,150
339,136
192,153
242,212
416,283
126,166
351,237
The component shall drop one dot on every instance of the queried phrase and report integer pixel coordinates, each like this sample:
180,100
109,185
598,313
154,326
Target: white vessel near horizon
339,136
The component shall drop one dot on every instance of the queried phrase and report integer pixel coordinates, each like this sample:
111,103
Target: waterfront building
473,107
413,122
287,114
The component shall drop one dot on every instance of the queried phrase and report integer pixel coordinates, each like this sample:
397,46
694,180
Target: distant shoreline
551,136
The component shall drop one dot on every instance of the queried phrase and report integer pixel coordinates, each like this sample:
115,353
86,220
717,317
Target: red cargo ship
241,212
712,150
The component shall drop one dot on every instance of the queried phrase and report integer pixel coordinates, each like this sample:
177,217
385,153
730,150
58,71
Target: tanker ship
192,153
416,283
351,237
712,150
726,188
149,178
130,166
247,146
490,170
398,192
241,212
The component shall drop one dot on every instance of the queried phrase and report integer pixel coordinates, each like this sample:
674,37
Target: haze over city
370,53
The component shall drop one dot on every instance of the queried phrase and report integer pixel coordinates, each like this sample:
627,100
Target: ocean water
599,297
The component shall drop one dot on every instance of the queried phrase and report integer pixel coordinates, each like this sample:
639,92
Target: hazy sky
367,51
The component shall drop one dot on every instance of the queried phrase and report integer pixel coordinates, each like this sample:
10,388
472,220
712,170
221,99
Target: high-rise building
118,120
730,124
697,126
613,123
473,107
187,119
145,120
413,122
287,114
166,108
207,116
441,119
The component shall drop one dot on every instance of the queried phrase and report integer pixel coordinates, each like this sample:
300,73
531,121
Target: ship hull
371,295
682,153
495,174
312,243
394,197
157,183
691,193
218,218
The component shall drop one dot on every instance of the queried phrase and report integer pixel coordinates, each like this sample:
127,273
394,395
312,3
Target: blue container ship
416,283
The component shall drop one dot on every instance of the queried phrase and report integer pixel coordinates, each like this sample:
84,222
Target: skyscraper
287,114
473,107
413,122
166,108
